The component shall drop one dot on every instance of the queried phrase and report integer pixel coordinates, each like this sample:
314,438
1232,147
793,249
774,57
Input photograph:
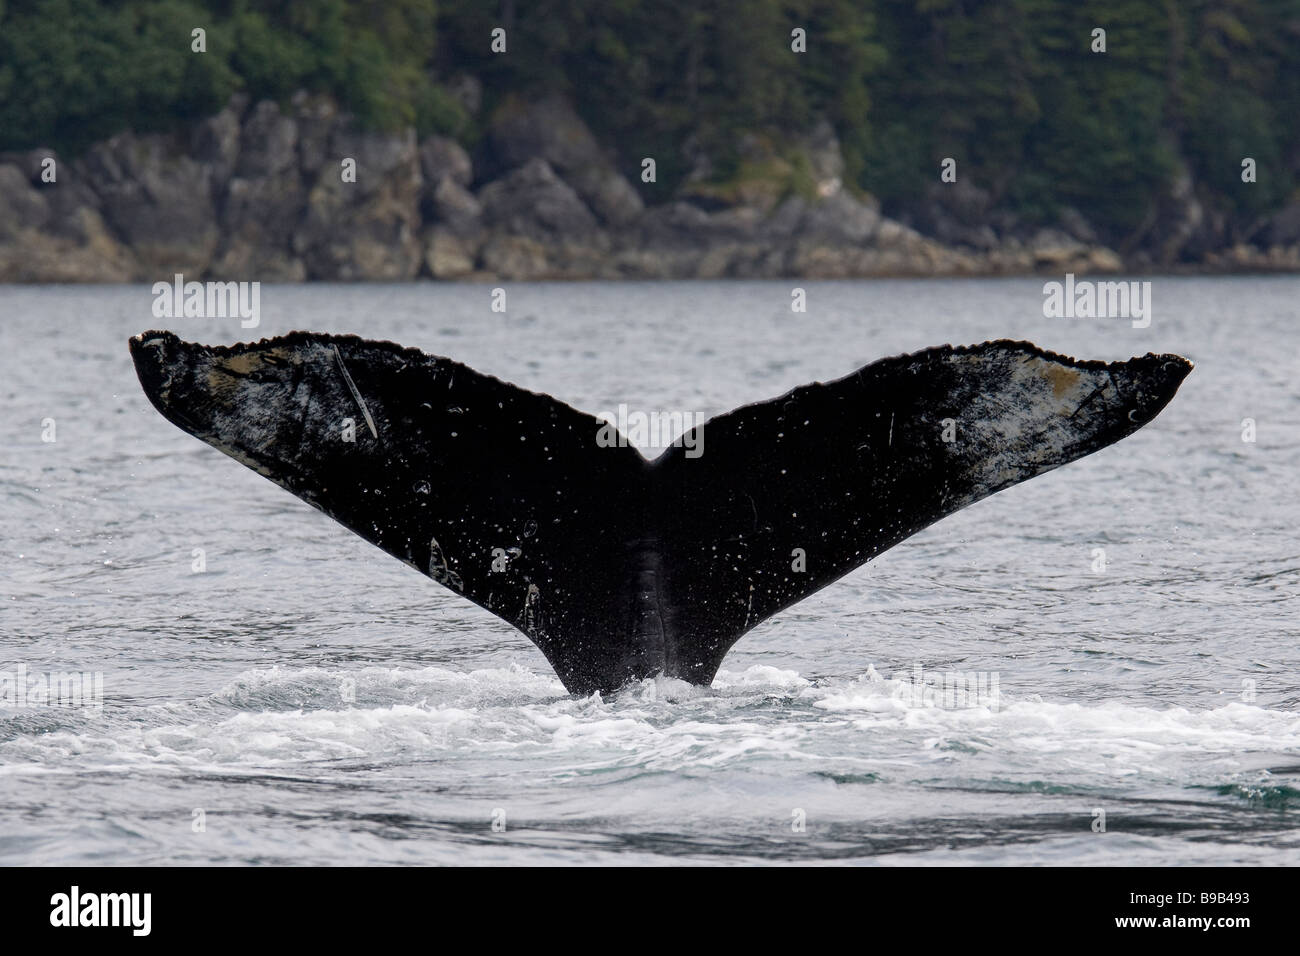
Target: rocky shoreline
262,192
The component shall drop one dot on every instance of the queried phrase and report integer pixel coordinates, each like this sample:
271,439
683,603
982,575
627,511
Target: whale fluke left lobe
615,567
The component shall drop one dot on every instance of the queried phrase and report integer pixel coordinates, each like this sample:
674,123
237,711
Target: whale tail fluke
615,567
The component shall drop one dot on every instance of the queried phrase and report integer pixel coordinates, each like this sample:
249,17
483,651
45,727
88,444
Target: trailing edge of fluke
616,567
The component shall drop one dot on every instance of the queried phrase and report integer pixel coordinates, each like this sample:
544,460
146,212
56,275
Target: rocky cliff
300,192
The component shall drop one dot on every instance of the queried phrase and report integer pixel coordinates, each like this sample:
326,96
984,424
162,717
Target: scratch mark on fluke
356,393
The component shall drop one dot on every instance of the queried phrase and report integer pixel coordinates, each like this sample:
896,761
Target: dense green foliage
1010,88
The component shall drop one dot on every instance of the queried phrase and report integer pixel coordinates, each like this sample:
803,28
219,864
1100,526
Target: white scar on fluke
356,393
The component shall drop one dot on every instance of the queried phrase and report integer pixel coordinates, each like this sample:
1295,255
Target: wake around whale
504,495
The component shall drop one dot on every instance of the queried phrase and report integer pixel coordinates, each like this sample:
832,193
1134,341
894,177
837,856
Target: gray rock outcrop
299,191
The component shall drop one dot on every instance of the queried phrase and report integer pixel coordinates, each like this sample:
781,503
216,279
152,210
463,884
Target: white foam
277,718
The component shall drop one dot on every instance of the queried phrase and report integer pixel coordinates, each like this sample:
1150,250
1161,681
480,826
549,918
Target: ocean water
306,699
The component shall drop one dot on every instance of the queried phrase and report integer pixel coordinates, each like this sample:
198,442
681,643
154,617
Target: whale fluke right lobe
615,567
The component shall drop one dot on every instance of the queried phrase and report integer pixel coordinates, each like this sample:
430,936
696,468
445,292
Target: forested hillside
1012,89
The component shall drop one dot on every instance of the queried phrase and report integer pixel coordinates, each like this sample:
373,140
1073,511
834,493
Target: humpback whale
616,567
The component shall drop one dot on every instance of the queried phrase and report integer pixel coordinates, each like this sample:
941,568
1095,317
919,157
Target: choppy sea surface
306,699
